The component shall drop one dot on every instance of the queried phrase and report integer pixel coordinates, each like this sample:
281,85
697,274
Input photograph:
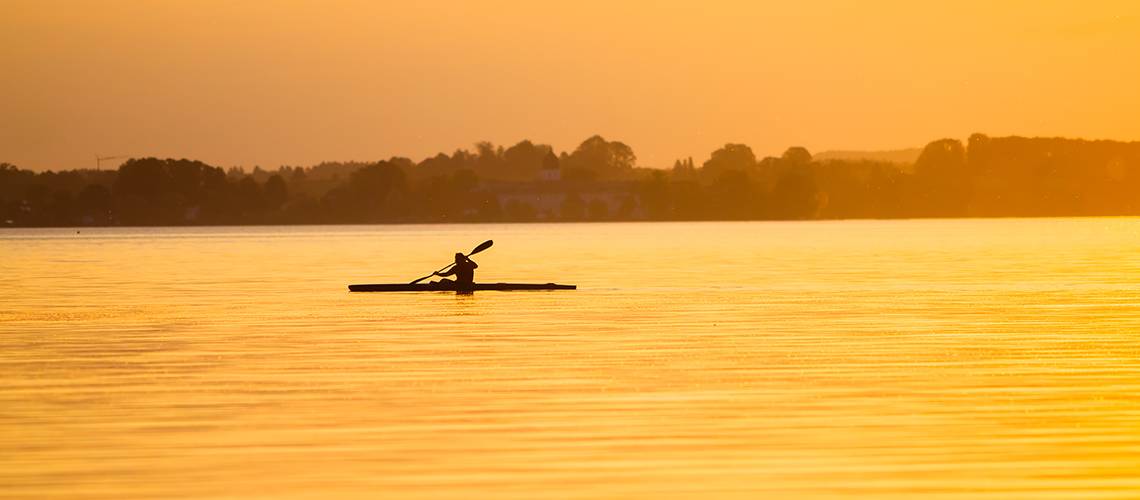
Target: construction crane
99,160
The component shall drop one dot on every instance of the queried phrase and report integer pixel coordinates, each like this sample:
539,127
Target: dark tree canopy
730,157
797,156
599,180
602,158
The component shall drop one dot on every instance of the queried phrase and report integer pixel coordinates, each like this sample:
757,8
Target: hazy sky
297,82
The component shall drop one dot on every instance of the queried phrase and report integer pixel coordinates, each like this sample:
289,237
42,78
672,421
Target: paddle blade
482,246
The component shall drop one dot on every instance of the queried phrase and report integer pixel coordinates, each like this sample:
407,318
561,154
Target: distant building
547,200
191,213
550,172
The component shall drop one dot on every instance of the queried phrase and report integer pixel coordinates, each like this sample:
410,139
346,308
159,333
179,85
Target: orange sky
296,82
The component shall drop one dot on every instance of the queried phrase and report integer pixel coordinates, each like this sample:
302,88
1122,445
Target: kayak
451,287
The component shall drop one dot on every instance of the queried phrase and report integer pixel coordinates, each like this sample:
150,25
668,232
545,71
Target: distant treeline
599,180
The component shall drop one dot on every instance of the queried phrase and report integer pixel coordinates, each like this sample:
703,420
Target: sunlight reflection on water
984,358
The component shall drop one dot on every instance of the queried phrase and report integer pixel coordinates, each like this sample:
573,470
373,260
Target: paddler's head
458,257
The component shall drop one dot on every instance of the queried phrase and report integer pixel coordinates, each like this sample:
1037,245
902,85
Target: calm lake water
890,359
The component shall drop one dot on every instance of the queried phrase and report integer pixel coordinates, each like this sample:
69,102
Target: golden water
982,358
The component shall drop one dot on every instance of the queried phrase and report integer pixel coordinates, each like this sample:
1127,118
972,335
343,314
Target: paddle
482,246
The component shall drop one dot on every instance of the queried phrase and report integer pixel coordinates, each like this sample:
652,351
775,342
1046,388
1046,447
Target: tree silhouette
600,159
738,157
942,183
991,176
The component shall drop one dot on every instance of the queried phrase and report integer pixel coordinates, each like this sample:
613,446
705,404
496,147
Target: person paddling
463,270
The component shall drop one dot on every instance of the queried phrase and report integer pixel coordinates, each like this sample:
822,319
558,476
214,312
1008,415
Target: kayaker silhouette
463,269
